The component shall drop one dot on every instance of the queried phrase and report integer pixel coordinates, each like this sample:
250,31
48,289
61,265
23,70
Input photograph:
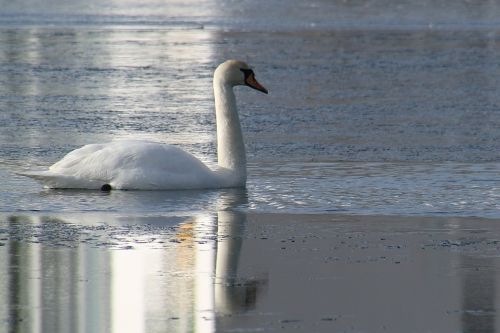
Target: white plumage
129,165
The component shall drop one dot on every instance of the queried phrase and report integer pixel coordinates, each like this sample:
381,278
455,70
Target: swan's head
238,73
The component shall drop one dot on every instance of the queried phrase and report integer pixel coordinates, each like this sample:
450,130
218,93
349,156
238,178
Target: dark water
376,108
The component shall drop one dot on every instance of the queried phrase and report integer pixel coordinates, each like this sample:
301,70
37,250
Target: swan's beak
252,83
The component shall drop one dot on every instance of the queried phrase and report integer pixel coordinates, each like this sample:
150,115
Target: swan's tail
58,181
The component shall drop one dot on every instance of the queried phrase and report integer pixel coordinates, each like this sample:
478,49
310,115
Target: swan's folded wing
139,165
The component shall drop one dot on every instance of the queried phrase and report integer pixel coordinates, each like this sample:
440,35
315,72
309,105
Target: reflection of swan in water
219,290
210,248
124,289
232,294
142,165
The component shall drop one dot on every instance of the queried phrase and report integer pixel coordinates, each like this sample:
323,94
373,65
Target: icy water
377,111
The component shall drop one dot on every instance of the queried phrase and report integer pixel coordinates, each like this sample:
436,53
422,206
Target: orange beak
252,83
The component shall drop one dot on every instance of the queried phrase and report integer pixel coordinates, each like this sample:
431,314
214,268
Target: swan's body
131,165
143,165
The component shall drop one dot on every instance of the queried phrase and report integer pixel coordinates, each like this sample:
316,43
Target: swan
144,165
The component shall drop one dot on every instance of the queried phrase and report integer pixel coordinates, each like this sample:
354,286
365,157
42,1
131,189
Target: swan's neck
230,146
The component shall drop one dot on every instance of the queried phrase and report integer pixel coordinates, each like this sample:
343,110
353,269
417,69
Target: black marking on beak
247,72
251,81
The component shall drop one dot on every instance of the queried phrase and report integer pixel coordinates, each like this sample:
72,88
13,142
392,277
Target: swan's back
129,165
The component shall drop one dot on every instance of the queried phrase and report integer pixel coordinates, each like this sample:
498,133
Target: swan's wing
76,158
128,165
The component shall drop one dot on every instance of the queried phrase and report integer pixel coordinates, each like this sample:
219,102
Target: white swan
142,165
